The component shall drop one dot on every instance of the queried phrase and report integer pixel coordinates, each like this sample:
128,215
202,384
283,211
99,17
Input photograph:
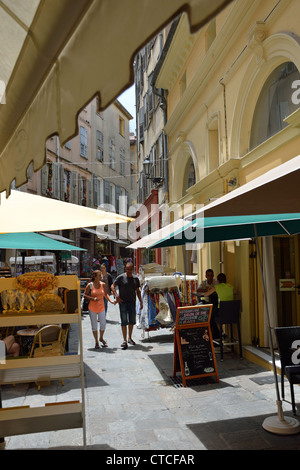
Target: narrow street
132,402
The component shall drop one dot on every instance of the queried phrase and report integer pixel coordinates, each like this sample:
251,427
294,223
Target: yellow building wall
222,85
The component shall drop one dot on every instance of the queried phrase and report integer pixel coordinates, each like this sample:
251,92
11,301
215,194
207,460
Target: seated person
205,288
207,284
224,290
12,347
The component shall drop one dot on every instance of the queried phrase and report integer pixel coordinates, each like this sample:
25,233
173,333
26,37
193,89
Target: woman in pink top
95,291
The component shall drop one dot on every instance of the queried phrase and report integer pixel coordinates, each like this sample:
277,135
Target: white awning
105,236
121,242
154,237
274,192
32,259
56,55
54,236
90,230
40,260
24,212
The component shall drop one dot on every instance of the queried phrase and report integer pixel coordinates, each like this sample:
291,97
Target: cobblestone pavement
133,403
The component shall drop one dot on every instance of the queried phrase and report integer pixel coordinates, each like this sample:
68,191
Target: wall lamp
156,179
232,182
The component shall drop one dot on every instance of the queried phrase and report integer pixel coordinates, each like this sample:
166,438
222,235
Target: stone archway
185,155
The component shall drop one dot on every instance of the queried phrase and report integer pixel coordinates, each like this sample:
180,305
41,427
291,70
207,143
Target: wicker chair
50,340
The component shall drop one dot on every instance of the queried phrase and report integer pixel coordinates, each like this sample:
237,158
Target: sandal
104,342
130,341
97,346
124,345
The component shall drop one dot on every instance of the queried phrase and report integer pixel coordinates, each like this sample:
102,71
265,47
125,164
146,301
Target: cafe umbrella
211,229
33,241
25,212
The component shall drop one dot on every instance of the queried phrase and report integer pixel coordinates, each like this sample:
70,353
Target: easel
193,345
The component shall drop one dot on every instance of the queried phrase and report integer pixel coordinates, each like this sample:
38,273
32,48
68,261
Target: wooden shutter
73,186
44,173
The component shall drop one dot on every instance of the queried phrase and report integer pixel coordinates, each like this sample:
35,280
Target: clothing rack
161,298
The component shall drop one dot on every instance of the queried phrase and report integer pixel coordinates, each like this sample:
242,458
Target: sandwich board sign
194,354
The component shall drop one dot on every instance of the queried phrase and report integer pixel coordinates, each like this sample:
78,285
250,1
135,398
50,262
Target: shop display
48,303
48,363
162,293
161,298
34,292
188,285
5,271
36,282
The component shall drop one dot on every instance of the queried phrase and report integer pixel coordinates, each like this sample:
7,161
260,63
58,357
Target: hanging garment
144,319
152,310
164,315
177,299
171,302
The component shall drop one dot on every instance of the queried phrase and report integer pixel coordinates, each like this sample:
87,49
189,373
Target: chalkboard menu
193,314
193,345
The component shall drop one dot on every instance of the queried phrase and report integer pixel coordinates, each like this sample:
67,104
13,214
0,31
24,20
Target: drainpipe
163,106
225,118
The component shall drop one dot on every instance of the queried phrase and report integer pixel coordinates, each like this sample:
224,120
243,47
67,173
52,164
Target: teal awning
33,241
212,229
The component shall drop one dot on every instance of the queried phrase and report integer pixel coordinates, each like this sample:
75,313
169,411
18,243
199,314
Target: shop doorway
287,276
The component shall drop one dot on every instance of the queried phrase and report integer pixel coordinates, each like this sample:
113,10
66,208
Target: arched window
275,103
189,176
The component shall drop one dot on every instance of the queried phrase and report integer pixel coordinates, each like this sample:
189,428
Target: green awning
212,229
33,241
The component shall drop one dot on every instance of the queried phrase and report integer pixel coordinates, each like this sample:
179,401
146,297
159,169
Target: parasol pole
185,268
276,424
16,259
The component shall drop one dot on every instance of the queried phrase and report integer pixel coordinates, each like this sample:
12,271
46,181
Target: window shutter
89,193
80,190
95,190
56,188
100,192
150,94
62,182
141,123
106,192
127,202
83,142
44,174
160,155
73,186
118,195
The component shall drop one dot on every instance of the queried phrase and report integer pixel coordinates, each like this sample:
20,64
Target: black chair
285,337
229,314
